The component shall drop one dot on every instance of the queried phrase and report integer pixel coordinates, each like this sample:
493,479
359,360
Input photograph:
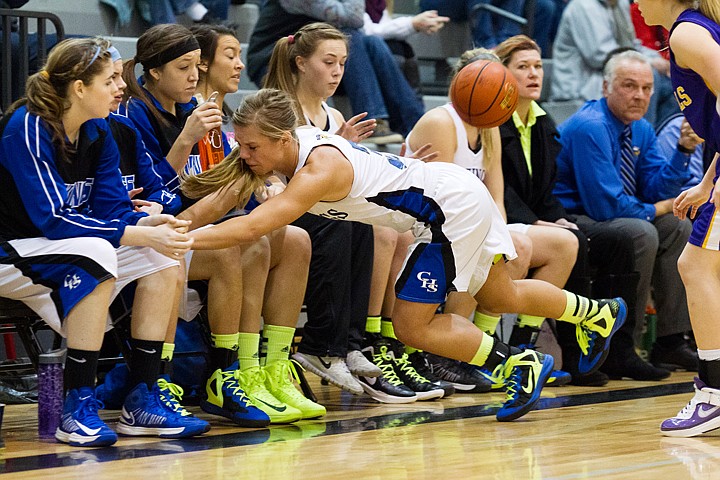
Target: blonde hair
46,91
468,57
711,9
272,113
282,69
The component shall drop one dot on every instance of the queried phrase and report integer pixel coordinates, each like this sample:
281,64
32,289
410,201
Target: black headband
171,53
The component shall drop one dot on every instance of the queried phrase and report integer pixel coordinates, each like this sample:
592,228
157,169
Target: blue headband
97,53
114,54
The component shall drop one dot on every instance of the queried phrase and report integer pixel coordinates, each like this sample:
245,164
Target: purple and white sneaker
699,416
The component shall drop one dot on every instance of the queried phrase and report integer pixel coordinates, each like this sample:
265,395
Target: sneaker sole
76,440
384,397
430,394
309,366
548,363
622,312
175,432
706,427
242,422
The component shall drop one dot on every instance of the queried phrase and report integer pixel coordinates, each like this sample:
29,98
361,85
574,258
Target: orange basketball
484,93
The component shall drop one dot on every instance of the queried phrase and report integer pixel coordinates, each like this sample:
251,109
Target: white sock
196,11
709,355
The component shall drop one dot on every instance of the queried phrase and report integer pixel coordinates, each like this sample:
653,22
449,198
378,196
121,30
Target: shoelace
495,377
230,381
171,394
512,384
407,368
90,407
585,338
383,361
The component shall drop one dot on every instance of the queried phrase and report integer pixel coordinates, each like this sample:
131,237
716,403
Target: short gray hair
612,64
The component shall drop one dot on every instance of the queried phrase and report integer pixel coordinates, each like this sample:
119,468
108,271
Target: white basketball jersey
331,124
464,157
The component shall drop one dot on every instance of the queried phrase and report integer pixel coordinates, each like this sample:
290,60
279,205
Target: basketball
484,93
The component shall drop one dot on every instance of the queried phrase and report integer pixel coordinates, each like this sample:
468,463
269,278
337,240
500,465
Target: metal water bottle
50,392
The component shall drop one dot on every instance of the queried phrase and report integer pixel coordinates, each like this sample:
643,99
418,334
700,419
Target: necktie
627,161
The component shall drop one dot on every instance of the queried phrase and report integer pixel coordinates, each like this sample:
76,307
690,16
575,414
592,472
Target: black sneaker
423,388
628,364
387,388
419,361
464,377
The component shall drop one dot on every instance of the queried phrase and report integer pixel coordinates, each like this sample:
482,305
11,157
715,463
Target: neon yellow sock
529,321
167,352
577,308
486,323
227,340
372,324
248,350
411,350
484,351
279,340
387,330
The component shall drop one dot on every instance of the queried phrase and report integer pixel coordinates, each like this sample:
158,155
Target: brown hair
518,43
282,70
46,91
466,59
272,112
208,36
152,44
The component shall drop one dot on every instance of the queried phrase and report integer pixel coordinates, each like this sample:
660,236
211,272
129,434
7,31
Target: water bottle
50,393
210,146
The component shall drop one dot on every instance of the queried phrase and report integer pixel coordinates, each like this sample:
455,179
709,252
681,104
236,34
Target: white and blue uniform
457,227
465,157
61,221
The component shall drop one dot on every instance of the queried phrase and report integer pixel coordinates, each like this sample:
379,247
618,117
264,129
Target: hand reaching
691,199
421,153
356,129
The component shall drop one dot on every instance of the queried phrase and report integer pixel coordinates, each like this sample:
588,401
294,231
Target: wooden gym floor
576,433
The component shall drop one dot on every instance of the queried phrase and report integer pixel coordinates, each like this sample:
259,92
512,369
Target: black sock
145,362
500,353
80,368
166,368
524,335
670,341
221,358
709,373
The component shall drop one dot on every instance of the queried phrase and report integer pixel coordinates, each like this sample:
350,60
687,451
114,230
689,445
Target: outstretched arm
327,175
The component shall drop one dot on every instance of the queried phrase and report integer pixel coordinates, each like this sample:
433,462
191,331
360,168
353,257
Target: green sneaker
252,381
279,381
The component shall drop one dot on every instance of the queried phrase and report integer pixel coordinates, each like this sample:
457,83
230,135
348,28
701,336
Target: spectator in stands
163,110
373,82
76,211
589,30
547,20
529,147
157,12
395,30
612,175
668,134
488,28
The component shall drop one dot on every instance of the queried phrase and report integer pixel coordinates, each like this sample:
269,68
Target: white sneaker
332,369
361,366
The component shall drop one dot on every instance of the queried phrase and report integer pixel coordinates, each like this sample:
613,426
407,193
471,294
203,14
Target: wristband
686,151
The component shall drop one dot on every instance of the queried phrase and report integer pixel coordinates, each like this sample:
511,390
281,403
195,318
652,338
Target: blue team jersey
696,100
44,195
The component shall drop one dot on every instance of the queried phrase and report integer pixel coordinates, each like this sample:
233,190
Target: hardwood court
577,432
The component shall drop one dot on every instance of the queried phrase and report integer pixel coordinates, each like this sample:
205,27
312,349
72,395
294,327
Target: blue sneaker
558,378
225,397
115,388
80,425
155,411
525,375
594,333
